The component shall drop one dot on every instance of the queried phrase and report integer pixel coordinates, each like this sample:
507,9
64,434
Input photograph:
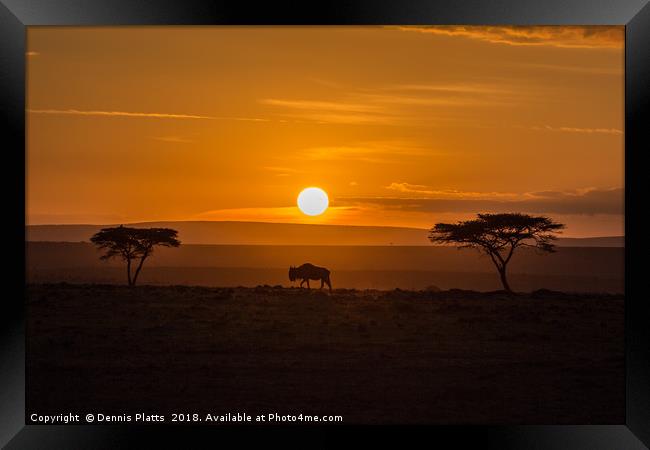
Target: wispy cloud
322,105
460,94
32,53
571,68
578,130
346,118
380,108
408,104
456,88
444,193
378,152
338,112
154,115
428,100
587,37
349,153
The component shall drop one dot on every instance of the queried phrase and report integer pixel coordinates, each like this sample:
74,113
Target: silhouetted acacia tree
133,244
149,238
498,235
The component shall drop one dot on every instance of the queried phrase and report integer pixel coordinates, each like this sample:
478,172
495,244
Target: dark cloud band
550,202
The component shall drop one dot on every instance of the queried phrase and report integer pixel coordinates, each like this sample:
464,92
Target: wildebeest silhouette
308,272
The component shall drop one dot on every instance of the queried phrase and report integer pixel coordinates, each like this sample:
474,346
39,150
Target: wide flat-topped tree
498,235
133,244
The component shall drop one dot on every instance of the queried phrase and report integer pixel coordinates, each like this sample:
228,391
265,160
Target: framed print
325,215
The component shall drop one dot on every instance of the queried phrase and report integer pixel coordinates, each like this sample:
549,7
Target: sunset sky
401,126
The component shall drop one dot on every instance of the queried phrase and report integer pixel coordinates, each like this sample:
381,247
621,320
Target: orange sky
402,126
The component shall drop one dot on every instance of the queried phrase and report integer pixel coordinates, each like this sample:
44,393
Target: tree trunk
128,271
137,271
504,280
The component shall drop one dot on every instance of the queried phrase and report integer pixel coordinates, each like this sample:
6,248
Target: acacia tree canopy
119,241
498,235
131,244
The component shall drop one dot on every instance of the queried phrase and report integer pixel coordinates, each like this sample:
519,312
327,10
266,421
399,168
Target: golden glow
313,201
404,126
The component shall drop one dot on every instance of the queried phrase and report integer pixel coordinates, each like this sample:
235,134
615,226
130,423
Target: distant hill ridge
267,233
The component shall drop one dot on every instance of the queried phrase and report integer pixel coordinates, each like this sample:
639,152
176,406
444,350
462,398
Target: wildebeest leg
302,282
308,287
321,283
327,280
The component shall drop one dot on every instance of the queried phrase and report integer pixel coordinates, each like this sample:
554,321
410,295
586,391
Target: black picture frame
16,15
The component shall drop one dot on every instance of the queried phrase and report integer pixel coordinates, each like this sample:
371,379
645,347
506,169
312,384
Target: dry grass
371,356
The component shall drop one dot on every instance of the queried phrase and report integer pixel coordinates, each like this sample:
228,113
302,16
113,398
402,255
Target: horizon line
224,221
273,223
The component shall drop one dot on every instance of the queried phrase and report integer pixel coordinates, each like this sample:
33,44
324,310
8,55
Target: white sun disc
313,201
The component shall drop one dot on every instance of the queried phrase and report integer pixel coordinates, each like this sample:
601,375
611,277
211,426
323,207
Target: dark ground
370,356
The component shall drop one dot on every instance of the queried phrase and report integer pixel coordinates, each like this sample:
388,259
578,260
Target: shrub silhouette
498,235
133,244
